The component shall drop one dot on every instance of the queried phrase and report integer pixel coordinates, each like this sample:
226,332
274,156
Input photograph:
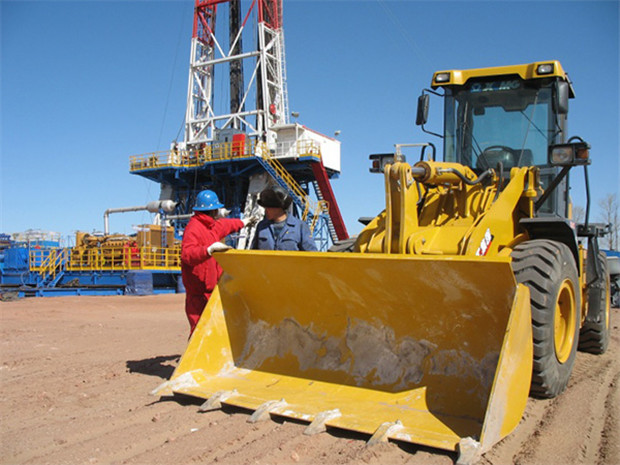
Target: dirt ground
75,376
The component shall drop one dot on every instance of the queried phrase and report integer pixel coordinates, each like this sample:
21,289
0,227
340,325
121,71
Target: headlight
442,77
569,154
562,155
546,68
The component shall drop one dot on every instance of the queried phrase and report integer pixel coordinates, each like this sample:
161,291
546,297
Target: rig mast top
259,104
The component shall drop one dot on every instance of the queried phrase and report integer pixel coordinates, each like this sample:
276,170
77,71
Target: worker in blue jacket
279,230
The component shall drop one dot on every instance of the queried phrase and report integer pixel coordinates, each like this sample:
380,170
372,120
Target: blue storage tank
16,259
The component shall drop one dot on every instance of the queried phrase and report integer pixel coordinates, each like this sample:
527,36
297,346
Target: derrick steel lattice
266,84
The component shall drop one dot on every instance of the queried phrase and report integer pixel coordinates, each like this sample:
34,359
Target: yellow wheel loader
470,290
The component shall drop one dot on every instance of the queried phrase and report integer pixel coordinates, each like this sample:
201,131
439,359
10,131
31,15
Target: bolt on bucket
429,350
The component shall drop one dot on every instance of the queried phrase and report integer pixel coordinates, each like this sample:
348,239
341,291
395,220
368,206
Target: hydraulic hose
469,182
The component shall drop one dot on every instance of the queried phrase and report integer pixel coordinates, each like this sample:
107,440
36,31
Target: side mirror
422,113
561,97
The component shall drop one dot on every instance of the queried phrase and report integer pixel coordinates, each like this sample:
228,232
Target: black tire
615,291
548,269
594,335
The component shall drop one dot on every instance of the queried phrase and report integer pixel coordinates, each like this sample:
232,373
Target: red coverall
199,270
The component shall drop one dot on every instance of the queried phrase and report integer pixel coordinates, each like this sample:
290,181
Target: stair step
330,224
287,182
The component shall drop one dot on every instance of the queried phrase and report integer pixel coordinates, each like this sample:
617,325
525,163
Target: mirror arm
421,124
430,132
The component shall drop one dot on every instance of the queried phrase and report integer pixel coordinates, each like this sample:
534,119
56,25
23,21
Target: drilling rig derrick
238,138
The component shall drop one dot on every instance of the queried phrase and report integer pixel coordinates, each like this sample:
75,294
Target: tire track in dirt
245,446
599,416
219,434
87,431
78,392
572,427
92,394
609,450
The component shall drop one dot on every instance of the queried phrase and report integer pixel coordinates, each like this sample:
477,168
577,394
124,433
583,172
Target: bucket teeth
262,412
215,401
167,388
318,424
384,431
469,451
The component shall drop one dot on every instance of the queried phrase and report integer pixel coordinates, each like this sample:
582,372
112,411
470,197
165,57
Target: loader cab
507,117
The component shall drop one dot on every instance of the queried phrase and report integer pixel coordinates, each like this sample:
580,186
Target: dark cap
274,197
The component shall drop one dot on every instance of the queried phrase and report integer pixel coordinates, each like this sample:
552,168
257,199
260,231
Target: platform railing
193,158
124,258
220,152
296,149
48,262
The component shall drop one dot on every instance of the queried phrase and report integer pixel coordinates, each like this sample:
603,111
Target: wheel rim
564,327
607,301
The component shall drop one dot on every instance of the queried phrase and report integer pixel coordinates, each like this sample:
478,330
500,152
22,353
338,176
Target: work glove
217,247
222,213
252,220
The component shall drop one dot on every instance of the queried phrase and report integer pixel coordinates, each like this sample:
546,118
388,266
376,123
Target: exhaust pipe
155,206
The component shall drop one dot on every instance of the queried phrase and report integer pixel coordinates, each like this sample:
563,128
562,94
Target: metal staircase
323,188
311,211
330,224
50,266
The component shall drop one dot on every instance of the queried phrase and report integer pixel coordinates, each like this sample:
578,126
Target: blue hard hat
207,200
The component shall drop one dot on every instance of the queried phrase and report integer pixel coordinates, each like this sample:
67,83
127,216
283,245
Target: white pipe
179,217
165,205
153,207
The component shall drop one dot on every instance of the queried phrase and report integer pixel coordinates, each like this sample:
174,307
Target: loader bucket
429,350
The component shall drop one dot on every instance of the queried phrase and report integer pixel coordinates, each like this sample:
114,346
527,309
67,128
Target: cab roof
527,72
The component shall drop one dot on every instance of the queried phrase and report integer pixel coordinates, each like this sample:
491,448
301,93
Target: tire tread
538,264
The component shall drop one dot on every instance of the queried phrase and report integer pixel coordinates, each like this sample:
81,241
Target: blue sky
84,85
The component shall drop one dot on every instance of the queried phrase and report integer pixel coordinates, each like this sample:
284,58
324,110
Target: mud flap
441,346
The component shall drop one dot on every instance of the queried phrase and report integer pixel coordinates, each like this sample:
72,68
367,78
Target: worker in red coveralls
201,239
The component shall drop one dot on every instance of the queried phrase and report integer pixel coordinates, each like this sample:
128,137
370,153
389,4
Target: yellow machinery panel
152,235
428,350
